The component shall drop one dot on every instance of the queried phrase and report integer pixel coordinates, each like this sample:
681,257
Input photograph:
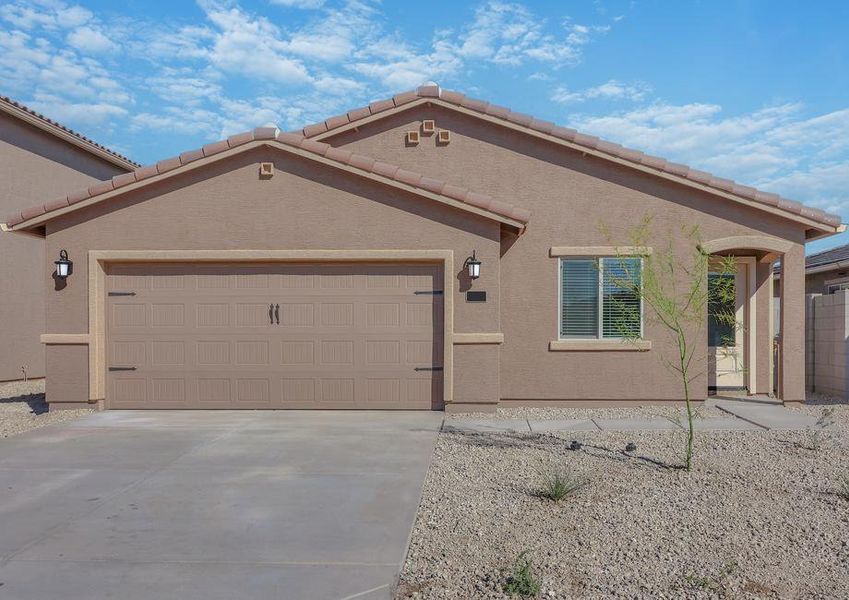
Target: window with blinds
599,298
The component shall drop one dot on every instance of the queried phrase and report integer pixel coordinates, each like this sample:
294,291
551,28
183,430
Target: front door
726,340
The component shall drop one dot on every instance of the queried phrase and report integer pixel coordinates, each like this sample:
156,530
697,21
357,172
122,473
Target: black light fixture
473,265
63,265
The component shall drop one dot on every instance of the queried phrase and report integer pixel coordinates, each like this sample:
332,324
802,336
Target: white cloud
251,46
611,90
79,113
775,148
88,39
303,4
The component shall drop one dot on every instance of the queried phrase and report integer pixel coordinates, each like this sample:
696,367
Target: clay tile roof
385,169
314,146
404,98
265,133
56,204
78,196
215,148
361,162
191,156
19,110
408,177
358,113
337,121
240,138
428,91
311,130
376,107
311,146
169,164
449,97
101,188
293,139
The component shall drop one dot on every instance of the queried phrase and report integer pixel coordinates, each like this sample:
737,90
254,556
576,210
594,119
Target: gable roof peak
565,136
456,196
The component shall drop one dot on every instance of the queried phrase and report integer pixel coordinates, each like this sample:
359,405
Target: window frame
600,300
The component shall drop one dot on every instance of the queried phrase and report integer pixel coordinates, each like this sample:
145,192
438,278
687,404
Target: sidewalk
742,416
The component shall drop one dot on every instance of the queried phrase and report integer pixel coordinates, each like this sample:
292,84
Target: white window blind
599,298
579,298
621,302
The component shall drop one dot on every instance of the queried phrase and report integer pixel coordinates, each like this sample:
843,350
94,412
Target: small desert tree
672,284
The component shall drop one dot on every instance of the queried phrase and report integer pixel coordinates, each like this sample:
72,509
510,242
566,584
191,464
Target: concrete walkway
742,416
212,505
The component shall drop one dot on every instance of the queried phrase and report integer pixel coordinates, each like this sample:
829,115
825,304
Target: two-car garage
274,335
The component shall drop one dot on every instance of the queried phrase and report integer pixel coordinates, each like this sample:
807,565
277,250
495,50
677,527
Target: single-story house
427,251
39,159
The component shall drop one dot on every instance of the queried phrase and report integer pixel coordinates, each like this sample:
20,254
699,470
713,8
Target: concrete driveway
231,504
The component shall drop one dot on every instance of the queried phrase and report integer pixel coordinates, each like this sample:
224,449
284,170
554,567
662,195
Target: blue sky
757,91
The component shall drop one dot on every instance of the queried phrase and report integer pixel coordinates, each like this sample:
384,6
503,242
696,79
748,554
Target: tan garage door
274,336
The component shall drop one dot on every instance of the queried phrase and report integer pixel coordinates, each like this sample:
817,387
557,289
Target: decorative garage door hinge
122,293
428,368
122,368
428,292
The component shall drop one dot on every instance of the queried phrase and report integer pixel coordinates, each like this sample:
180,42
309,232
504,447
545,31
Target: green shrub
559,482
522,581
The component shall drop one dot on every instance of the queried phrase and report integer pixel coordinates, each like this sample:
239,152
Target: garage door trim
100,259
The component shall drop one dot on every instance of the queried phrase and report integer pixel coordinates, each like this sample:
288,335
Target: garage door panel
207,336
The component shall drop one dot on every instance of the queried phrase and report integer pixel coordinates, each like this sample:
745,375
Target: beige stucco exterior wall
226,206
571,196
35,167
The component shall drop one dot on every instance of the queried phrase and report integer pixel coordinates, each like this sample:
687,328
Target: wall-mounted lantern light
474,266
63,265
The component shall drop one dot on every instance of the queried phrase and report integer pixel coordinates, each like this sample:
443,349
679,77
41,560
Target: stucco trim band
64,338
558,251
478,338
748,242
599,345
98,261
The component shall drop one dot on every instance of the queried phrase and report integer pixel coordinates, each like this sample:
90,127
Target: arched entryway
756,257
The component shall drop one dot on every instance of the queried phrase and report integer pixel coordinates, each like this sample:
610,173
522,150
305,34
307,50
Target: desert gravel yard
22,407
760,516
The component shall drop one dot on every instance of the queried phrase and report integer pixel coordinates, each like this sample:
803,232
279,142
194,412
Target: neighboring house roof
827,260
433,94
428,187
18,110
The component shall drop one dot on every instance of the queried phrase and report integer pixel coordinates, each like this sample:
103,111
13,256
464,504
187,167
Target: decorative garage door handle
277,312
271,313
428,368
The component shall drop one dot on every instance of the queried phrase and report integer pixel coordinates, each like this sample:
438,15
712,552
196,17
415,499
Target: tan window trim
64,338
478,338
599,345
558,251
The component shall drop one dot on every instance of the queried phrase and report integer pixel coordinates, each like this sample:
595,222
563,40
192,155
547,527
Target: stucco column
763,338
791,374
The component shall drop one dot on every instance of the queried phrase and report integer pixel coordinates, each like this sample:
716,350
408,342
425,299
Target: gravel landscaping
759,517
22,407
